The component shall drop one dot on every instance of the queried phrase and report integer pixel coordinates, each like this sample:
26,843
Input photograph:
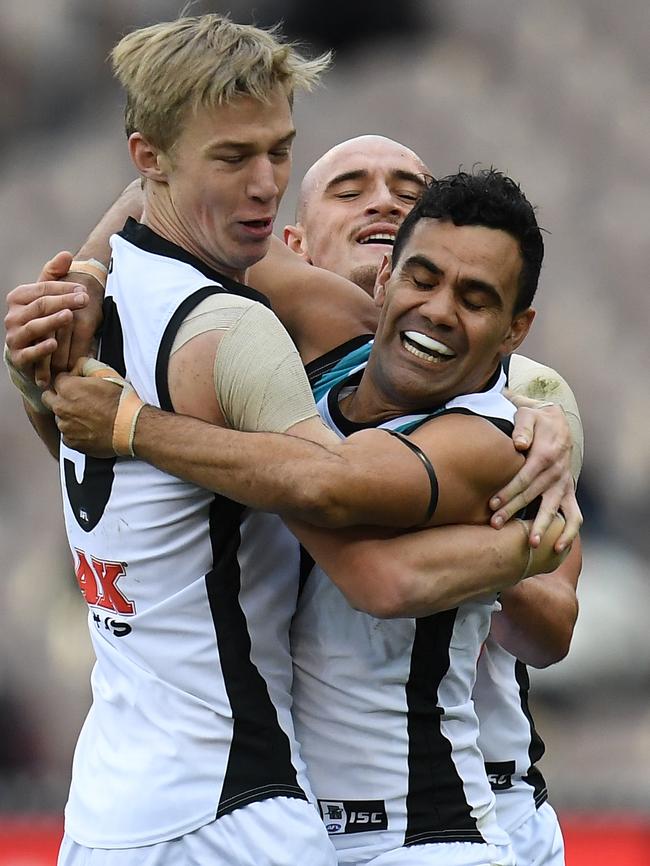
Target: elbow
388,595
320,502
558,644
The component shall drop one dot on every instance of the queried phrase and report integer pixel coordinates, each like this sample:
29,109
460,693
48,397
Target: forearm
539,614
328,485
46,429
129,204
418,573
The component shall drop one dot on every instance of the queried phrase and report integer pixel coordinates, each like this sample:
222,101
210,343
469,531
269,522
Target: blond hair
203,61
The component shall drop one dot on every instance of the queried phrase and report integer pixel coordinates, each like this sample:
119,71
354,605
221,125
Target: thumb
57,267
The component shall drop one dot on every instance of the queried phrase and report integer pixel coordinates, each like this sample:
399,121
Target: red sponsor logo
97,581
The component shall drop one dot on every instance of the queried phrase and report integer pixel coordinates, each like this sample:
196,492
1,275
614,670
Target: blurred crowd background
555,94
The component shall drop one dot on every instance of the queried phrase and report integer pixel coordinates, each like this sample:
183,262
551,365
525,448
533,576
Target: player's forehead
371,154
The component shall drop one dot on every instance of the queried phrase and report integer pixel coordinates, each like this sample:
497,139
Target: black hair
485,197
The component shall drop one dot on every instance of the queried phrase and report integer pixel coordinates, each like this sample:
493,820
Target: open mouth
426,347
379,238
258,224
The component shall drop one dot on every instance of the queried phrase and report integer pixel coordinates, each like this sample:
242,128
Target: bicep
472,458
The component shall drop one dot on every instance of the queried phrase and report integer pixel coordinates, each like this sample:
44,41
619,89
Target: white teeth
378,238
429,343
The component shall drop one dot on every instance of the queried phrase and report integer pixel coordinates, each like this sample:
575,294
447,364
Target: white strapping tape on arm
259,378
535,380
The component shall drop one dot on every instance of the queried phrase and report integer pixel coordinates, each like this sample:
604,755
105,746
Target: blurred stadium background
555,94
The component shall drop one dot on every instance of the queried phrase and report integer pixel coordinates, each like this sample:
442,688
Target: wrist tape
30,391
128,409
92,267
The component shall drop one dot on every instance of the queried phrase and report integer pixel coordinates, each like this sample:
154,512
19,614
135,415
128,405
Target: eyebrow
362,173
231,144
468,283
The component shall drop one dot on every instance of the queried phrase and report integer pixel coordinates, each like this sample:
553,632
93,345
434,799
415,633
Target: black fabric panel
307,564
536,746
89,497
437,810
259,763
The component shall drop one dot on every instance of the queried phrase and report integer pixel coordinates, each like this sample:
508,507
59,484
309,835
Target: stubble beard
365,276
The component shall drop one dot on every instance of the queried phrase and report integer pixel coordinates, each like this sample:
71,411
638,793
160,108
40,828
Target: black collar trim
144,238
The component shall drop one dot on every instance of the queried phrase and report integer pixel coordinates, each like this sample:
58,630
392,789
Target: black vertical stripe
437,810
306,567
89,497
259,762
536,746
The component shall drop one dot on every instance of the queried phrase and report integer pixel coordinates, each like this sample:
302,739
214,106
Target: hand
76,338
35,313
85,410
545,434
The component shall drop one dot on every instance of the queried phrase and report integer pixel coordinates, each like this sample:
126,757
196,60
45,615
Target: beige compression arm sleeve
539,382
259,378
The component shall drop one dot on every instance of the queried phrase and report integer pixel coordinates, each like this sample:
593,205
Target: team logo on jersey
97,579
499,774
353,816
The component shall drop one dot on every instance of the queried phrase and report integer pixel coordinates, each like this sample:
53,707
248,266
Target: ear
383,275
519,328
149,160
294,238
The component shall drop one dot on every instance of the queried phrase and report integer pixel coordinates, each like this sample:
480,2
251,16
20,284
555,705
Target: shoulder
539,382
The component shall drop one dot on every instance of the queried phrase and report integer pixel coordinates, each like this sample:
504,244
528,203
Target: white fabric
505,734
252,836
538,841
160,738
351,705
442,854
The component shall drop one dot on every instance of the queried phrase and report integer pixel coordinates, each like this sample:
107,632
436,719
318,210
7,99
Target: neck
160,215
375,400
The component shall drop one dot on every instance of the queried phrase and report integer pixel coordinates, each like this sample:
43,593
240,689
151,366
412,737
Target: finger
523,432
513,488
25,358
543,485
61,357
57,267
543,519
83,336
532,480
29,292
573,518
50,399
22,336
43,371
79,365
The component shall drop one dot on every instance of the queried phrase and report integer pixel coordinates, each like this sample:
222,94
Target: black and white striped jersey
190,599
383,708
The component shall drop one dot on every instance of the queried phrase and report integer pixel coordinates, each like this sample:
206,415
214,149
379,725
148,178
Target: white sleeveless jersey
510,744
383,708
190,599
508,740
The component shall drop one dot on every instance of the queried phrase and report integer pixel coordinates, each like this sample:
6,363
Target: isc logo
353,816
499,774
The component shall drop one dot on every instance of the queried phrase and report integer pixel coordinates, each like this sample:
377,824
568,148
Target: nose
440,307
262,183
384,203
